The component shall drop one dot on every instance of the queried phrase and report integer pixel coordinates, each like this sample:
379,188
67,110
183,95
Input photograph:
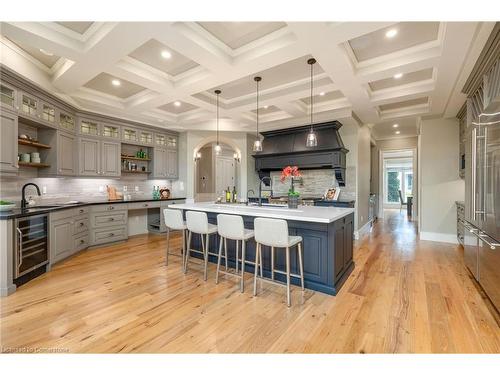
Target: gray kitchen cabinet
172,164
66,155
8,97
88,150
29,106
66,121
160,163
98,158
110,158
61,239
48,114
8,152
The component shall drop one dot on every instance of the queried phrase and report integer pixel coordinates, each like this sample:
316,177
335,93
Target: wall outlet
136,188
101,188
44,189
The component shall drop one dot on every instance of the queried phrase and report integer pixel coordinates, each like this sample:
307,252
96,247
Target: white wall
363,178
441,185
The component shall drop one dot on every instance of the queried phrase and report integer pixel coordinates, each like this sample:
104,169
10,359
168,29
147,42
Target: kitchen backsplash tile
83,189
315,183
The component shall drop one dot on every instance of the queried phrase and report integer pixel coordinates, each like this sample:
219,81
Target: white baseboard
439,237
363,230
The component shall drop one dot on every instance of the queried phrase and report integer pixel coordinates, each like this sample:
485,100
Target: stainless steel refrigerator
482,201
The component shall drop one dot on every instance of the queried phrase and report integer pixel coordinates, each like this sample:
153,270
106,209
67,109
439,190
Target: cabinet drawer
108,219
143,205
102,236
62,214
80,226
81,210
81,242
108,207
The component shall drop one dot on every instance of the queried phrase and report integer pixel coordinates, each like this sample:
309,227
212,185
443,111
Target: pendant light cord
257,110
217,118
312,104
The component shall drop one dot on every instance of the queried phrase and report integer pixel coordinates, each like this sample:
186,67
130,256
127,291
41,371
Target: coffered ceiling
165,73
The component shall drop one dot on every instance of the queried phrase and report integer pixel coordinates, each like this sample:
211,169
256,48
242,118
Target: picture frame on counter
332,194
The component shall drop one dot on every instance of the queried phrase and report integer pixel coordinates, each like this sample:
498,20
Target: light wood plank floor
404,296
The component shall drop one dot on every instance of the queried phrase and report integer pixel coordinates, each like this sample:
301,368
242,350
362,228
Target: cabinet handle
111,234
81,211
82,224
82,241
20,259
111,219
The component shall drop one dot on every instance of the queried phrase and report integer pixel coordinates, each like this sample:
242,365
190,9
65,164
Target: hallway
404,296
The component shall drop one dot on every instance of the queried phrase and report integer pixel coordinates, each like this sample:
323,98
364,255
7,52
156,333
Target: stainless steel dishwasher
31,251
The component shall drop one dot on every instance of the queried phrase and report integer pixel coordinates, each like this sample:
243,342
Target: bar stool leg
218,262
207,246
187,252
260,261
272,262
243,247
237,254
257,251
168,246
288,277
183,246
225,251
301,265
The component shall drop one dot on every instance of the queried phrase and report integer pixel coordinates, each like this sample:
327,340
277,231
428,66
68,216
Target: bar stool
174,221
231,227
197,222
274,233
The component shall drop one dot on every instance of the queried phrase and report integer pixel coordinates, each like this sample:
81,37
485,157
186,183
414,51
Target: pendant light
312,140
257,145
217,147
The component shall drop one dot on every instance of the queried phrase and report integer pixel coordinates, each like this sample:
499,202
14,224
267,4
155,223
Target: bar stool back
175,221
197,222
231,227
274,233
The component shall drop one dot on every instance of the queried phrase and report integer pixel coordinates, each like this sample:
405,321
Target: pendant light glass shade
217,147
312,139
257,145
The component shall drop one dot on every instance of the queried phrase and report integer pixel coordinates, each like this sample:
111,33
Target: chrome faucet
23,197
248,192
260,187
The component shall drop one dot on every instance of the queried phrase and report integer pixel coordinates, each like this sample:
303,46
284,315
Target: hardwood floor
404,296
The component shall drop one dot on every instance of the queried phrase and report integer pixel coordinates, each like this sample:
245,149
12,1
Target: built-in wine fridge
31,253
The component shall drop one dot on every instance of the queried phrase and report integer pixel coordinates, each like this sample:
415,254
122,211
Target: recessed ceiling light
116,82
166,54
398,75
266,107
322,93
391,33
177,103
46,52
395,125
397,132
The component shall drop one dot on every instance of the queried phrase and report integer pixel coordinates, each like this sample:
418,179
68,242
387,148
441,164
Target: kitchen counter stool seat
231,227
174,221
197,222
274,233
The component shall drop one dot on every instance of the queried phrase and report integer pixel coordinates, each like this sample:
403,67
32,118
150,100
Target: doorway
214,173
398,170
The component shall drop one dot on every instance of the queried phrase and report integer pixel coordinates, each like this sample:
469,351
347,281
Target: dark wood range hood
288,147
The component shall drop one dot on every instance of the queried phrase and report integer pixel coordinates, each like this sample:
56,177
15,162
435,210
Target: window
398,176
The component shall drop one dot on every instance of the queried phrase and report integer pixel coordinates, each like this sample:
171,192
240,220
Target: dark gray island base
328,251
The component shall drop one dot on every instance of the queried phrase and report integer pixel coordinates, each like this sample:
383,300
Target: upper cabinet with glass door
110,131
172,142
146,138
130,135
8,97
48,113
67,122
160,140
29,105
88,127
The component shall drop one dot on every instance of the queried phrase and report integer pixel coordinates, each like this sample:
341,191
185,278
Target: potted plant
293,196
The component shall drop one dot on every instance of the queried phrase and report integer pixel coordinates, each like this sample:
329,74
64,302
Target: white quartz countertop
312,214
